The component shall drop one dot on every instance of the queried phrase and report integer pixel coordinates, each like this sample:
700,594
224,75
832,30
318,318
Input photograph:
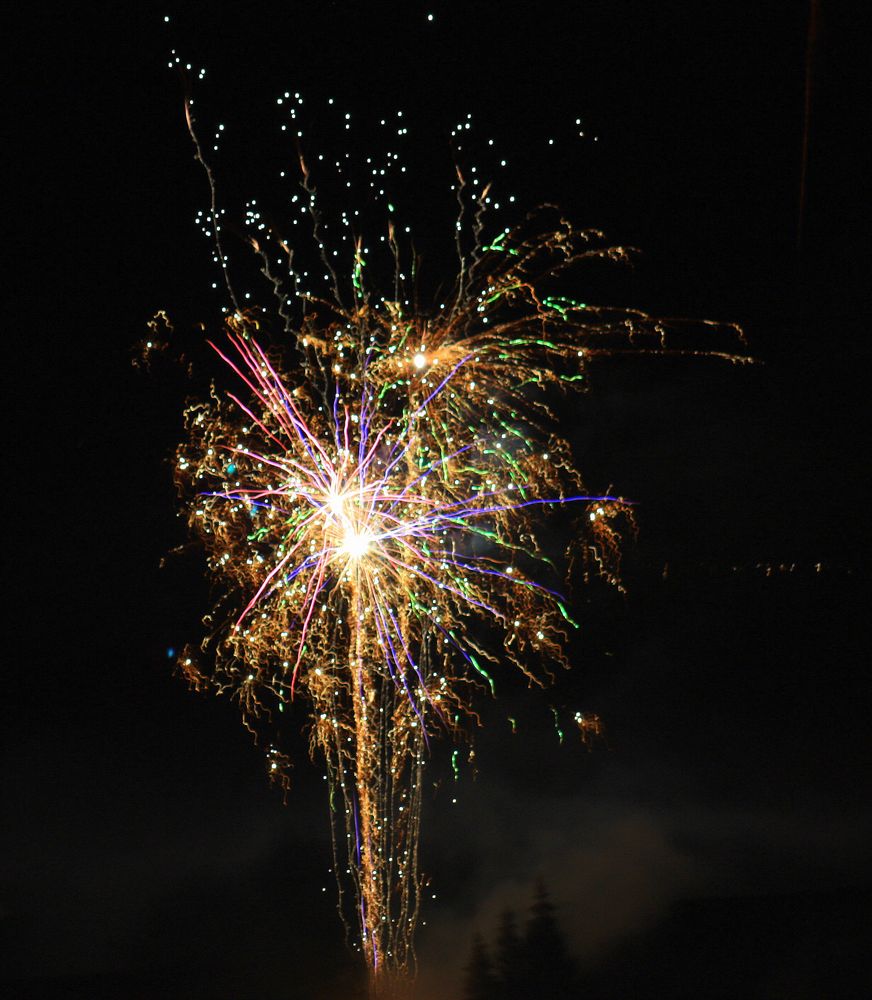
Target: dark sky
144,854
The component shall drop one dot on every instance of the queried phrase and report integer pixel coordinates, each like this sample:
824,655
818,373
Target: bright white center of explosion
356,544
357,539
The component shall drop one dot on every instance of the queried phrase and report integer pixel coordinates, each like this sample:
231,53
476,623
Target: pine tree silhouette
537,966
549,970
480,982
511,961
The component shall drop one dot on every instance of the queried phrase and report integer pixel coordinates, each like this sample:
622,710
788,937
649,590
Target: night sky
716,841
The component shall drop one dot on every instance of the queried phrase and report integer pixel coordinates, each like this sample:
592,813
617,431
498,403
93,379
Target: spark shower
376,489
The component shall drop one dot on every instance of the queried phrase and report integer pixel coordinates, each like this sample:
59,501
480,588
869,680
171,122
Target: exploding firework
371,493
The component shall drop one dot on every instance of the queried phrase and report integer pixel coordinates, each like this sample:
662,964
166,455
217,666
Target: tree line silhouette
523,965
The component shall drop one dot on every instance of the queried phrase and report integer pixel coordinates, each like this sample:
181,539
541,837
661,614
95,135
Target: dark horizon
721,825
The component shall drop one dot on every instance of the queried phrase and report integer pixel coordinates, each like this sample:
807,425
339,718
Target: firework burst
370,495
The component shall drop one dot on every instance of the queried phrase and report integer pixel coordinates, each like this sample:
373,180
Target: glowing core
356,543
